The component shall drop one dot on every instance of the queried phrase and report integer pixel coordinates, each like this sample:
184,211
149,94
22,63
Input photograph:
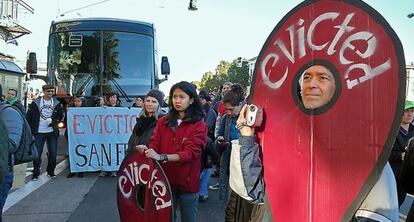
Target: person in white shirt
43,116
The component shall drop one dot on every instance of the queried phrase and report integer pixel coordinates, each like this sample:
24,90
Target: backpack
4,153
26,151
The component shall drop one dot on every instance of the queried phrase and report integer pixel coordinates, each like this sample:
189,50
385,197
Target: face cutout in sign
331,79
143,192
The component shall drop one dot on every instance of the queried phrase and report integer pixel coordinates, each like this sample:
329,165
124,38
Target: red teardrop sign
143,192
331,80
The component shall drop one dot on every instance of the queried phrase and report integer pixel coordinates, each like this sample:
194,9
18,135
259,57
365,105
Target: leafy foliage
225,72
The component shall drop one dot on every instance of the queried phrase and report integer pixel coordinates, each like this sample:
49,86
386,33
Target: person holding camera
43,116
247,179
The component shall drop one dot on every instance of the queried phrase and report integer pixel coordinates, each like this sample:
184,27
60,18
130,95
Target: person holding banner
147,119
139,102
77,102
112,102
178,140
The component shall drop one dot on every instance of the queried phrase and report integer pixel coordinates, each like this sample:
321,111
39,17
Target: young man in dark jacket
13,100
406,176
405,132
13,122
43,116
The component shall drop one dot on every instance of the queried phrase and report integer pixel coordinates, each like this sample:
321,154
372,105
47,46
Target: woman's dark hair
72,102
235,96
193,113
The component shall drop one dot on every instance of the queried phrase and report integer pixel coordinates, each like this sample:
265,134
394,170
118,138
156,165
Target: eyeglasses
50,91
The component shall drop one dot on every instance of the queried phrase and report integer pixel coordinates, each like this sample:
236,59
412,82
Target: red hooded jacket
187,140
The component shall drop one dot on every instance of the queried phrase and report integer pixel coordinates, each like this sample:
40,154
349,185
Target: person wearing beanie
405,132
147,119
157,94
176,144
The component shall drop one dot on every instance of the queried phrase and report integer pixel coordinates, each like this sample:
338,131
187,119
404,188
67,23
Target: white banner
98,137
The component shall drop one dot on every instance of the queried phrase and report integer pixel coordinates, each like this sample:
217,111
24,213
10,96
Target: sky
194,41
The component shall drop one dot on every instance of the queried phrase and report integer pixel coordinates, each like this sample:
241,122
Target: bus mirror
165,66
31,63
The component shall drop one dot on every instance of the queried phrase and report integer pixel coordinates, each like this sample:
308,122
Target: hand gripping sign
331,79
143,192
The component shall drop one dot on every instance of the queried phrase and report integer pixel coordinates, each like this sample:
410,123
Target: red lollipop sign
322,159
143,192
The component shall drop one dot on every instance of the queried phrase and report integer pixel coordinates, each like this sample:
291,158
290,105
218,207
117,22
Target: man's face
77,102
11,94
48,93
318,87
408,116
112,100
203,101
232,110
139,102
225,89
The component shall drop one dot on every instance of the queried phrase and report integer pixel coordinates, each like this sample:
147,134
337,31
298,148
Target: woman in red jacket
177,142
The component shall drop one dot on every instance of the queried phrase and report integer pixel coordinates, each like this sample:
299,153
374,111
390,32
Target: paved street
89,199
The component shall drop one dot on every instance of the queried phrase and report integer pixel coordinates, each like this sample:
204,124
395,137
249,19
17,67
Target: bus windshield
128,62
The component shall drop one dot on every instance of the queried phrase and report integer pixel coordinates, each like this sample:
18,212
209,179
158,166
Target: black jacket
33,116
142,132
407,171
209,156
398,148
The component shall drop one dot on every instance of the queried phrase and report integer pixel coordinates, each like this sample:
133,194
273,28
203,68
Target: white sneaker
51,176
214,187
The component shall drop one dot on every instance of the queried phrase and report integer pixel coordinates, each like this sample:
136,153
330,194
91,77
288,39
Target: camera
254,115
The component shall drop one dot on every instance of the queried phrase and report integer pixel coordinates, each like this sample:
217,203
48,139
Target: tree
239,75
225,72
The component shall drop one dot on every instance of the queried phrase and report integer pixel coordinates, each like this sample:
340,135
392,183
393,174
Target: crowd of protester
199,132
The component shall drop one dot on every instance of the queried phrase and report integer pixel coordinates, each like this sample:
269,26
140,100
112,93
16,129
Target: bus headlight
61,124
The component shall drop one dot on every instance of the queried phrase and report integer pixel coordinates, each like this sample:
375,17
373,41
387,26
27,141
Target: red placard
321,163
143,192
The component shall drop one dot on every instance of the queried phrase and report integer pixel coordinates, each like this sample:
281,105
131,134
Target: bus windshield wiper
119,88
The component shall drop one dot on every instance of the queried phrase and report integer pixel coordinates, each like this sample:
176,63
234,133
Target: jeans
6,186
410,215
204,177
40,140
188,206
224,176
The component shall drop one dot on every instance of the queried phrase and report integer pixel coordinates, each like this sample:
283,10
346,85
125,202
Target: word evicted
134,176
103,124
100,154
330,47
